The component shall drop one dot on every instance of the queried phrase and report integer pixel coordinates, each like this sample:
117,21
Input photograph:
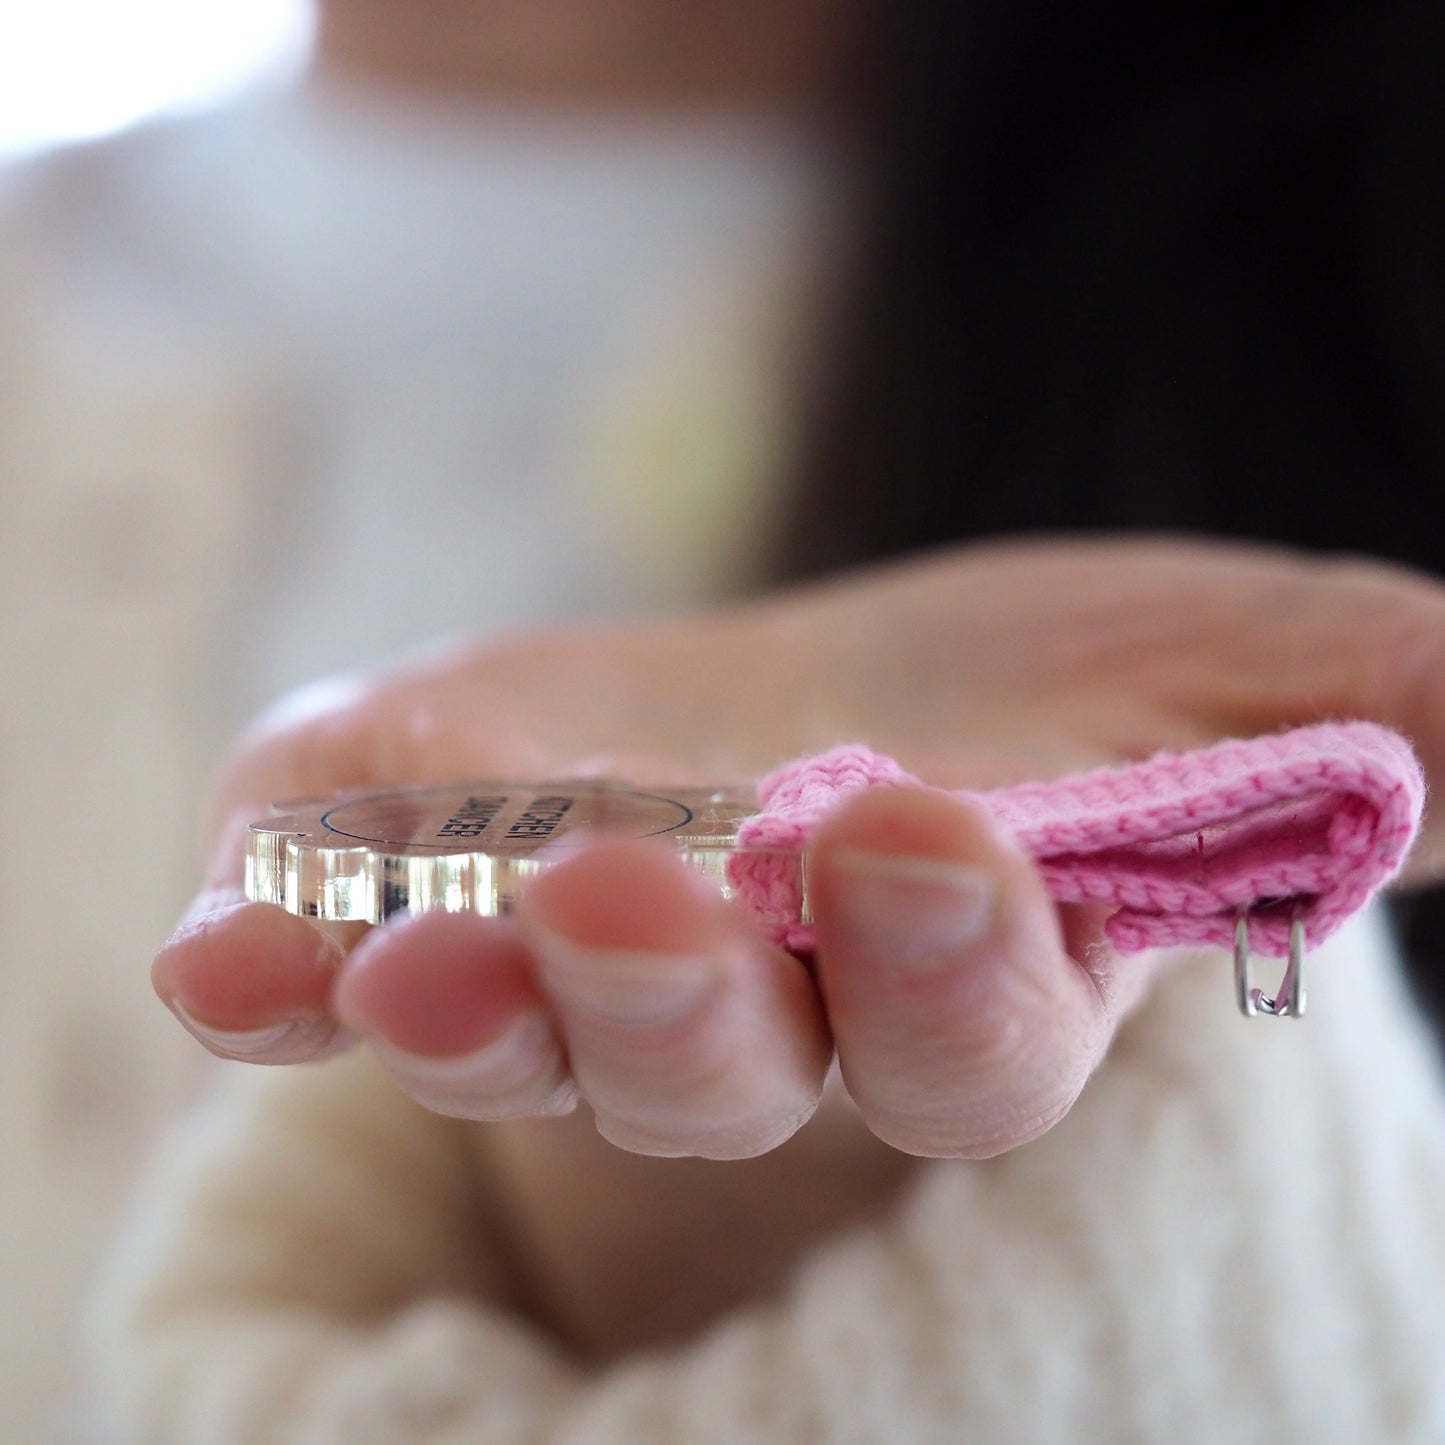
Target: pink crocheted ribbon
1311,822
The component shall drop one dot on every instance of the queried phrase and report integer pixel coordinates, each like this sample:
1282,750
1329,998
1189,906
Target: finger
249,980
448,1002
1393,658
963,1027
687,1033
1278,639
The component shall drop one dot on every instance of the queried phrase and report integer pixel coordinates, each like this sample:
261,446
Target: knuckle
745,1137
998,1081
713,1102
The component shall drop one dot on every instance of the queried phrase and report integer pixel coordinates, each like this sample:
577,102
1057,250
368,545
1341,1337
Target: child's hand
966,1011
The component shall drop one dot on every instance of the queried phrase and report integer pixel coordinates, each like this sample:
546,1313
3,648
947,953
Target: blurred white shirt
416,322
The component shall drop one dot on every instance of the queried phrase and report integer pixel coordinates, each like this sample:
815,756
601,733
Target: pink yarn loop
1309,823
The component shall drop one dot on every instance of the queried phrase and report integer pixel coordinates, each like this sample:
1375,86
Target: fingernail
913,911
522,1066
620,985
242,1043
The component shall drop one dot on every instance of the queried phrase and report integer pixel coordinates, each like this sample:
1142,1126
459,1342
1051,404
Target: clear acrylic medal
364,856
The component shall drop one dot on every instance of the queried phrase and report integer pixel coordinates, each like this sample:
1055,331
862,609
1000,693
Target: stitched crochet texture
1309,823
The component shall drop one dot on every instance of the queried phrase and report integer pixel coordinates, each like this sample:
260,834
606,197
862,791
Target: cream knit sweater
1237,1235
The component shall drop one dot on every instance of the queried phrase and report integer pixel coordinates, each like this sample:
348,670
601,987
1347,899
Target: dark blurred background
1141,267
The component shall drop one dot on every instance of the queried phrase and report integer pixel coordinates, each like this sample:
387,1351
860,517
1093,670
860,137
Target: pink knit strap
1306,824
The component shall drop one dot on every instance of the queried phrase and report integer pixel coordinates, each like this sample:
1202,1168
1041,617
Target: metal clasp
1289,1002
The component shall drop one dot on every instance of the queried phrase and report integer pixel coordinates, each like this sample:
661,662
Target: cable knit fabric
1309,823
1233,1239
